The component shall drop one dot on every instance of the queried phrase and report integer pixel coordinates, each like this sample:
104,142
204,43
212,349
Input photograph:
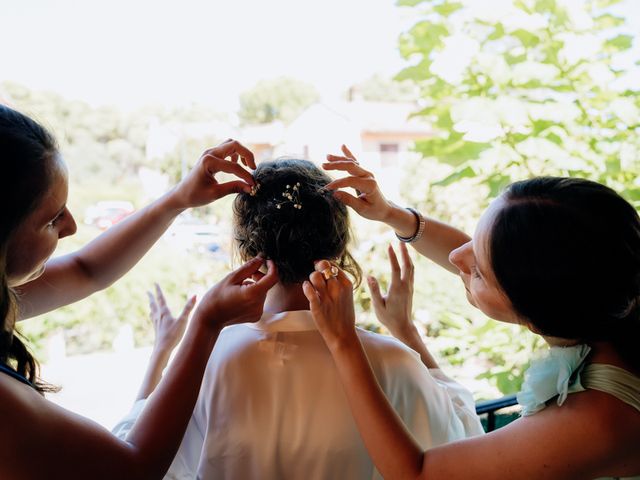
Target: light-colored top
623,385
554,374
615,381
272,406
563,370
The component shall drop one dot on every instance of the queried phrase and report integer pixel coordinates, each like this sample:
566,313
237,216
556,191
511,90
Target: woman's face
474,263
37,236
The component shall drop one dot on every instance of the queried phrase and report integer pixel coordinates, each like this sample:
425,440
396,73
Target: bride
271,403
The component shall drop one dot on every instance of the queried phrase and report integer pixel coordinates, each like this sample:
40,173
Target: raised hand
369,202
200,186
168,329
331,301
168,332
394,309
236,300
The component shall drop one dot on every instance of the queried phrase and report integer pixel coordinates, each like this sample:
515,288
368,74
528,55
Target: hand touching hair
292,219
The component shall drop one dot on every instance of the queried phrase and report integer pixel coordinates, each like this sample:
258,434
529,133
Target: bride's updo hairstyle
293,220
566,251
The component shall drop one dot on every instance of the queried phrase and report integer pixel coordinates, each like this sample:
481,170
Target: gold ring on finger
330,272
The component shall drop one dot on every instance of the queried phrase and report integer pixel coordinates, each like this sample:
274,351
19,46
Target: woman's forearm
411,338
437,241
152,376
394,452
113,253
166,414
101,262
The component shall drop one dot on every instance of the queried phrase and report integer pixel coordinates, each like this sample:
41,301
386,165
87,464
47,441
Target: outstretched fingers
395,266
345,165
407,264
363,184
184,315
153,305
376,295
162,302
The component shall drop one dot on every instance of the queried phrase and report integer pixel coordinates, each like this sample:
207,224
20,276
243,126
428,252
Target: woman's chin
28,278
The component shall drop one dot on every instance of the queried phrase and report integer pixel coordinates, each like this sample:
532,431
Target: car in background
105,214
194,234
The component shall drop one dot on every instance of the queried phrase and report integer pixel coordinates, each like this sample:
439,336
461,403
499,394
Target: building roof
369,117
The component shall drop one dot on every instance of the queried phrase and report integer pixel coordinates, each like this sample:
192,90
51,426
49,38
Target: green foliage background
537,88
281,99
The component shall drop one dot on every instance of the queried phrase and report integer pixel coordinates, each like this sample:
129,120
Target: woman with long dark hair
40,439
560,256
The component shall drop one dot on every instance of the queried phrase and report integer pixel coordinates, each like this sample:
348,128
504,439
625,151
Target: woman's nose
459,258
70,226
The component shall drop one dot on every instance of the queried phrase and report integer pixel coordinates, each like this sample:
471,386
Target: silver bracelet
422,223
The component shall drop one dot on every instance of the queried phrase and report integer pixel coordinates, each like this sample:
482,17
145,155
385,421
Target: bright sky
130,52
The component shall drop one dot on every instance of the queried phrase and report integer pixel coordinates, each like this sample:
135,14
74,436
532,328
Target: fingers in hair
268,280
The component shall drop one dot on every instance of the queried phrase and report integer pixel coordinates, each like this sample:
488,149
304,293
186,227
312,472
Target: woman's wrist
406,334
403,221
412,336
173,201
343,341
161,353
208,323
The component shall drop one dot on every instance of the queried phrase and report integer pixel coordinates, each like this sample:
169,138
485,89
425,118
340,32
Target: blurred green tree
514,89
530,87
281,98
382,89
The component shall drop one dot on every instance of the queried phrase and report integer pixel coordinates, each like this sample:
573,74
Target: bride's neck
285,298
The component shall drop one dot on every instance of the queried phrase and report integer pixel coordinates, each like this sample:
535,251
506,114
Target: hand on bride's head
233,299
201,187
293,219
330,295
369,201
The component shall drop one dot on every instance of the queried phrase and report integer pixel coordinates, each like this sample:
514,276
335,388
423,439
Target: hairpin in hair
292,195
